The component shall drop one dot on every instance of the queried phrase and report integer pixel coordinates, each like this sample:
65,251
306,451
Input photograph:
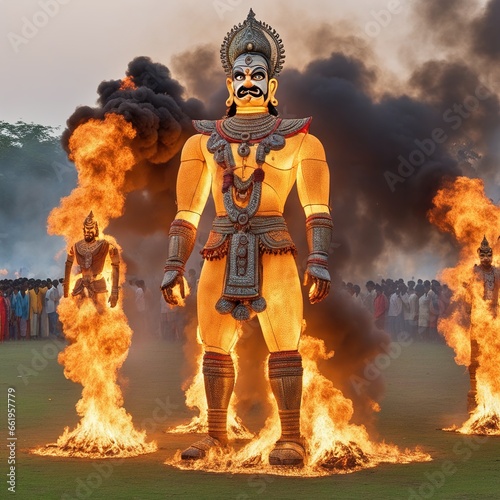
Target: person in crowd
380,307
4,322
394,312
51,301
356,296
35,312
370,295
11,313
434,311
22,311
424,311
44,319
412,322
405,301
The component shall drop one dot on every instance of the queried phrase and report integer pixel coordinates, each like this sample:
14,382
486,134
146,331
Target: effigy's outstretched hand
320,280
171,279
113,299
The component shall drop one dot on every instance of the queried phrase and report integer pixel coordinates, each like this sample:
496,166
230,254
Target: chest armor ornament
242,231
491,281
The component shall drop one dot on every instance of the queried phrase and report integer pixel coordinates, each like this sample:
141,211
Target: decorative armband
319,235
182,237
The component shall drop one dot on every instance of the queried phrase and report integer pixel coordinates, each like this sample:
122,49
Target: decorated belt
241,295
256,224
89,286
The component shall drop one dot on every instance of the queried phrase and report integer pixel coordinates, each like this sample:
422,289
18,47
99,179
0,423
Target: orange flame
334,445
128,84
463,209
99,337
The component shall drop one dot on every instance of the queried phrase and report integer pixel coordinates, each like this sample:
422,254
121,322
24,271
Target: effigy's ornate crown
90,222
485,246
256,37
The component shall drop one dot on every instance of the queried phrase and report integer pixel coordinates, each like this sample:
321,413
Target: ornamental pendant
243,149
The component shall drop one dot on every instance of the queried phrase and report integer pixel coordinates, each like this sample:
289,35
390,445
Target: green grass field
425,392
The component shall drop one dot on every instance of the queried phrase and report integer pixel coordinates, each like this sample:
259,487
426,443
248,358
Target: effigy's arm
313,186
115,275
67,271
467,292
193,188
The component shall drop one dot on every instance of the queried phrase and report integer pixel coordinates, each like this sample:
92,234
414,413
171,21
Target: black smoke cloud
467,70
485,39
156,108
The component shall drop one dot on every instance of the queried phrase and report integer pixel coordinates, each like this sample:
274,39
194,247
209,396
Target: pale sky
54,53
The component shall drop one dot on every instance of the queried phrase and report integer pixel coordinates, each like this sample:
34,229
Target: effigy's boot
218,373
474,364
285,376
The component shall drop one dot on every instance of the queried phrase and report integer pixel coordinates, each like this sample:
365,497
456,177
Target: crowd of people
412,307
28,308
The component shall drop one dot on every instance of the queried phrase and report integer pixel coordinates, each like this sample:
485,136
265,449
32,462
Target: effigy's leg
218,333
218,373
281,324
285,376
474,363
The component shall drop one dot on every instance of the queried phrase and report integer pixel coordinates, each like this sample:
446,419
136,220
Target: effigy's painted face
250,84
485,258
89,233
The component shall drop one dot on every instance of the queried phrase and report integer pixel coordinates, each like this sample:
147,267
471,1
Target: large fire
98,340
334,444
463,209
